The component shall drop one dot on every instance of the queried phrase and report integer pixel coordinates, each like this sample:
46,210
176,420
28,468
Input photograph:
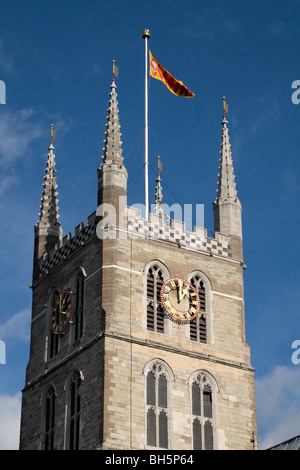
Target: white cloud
16,326
278,405
18,130
6,182
10,413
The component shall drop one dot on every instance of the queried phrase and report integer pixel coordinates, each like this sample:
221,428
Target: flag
175,86
53,133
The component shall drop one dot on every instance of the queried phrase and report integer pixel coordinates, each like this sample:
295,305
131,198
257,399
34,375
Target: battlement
69,245
156,228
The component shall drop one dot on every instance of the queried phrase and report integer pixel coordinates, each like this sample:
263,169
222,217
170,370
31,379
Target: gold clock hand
184,293
180,289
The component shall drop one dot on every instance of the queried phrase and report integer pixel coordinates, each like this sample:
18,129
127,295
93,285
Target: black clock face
61,312
180,300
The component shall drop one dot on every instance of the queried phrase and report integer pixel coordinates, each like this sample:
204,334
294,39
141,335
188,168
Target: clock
180,300
61,312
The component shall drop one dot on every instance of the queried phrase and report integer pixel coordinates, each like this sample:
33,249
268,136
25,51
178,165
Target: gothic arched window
79,305
74,411
199,326
157,405
155,311
49,419
203,414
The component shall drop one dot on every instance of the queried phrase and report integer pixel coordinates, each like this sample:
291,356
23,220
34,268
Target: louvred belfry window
155,312
198,326
74,416
202,414
49,420
157,407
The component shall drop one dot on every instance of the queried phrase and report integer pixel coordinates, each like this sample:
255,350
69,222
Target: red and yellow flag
175,86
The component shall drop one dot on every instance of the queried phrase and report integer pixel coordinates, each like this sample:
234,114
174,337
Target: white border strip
228,295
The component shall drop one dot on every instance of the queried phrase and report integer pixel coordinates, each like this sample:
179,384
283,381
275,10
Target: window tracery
155,311
157,405
203,411
200,326
49,419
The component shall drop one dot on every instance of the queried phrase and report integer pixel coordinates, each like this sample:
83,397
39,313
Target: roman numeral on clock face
180,300
61,312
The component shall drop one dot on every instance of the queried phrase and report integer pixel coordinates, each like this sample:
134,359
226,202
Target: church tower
138,325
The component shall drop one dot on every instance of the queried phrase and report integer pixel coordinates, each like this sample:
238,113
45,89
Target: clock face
180,299
61,312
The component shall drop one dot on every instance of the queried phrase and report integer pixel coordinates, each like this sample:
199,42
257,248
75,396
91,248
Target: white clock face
180,299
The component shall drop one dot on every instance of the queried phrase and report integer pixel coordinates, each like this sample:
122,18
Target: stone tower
109,368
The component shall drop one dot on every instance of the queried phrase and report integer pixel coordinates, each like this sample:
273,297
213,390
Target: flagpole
146,36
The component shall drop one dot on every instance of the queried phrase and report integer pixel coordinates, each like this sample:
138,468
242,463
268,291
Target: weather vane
53,134
115,70
225,108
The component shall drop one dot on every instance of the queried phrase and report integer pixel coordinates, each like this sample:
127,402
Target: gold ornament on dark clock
61,312
180,300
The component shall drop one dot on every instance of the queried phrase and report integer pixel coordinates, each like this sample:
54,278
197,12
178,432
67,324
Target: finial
146,33
158,195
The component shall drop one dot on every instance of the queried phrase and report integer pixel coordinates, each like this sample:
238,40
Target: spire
227,207
158,195
112,151
48,231
226,184
48,216
112,174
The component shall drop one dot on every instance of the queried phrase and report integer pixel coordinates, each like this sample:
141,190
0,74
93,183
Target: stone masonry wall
116,346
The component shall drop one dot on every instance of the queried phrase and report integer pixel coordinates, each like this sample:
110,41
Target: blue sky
56,62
